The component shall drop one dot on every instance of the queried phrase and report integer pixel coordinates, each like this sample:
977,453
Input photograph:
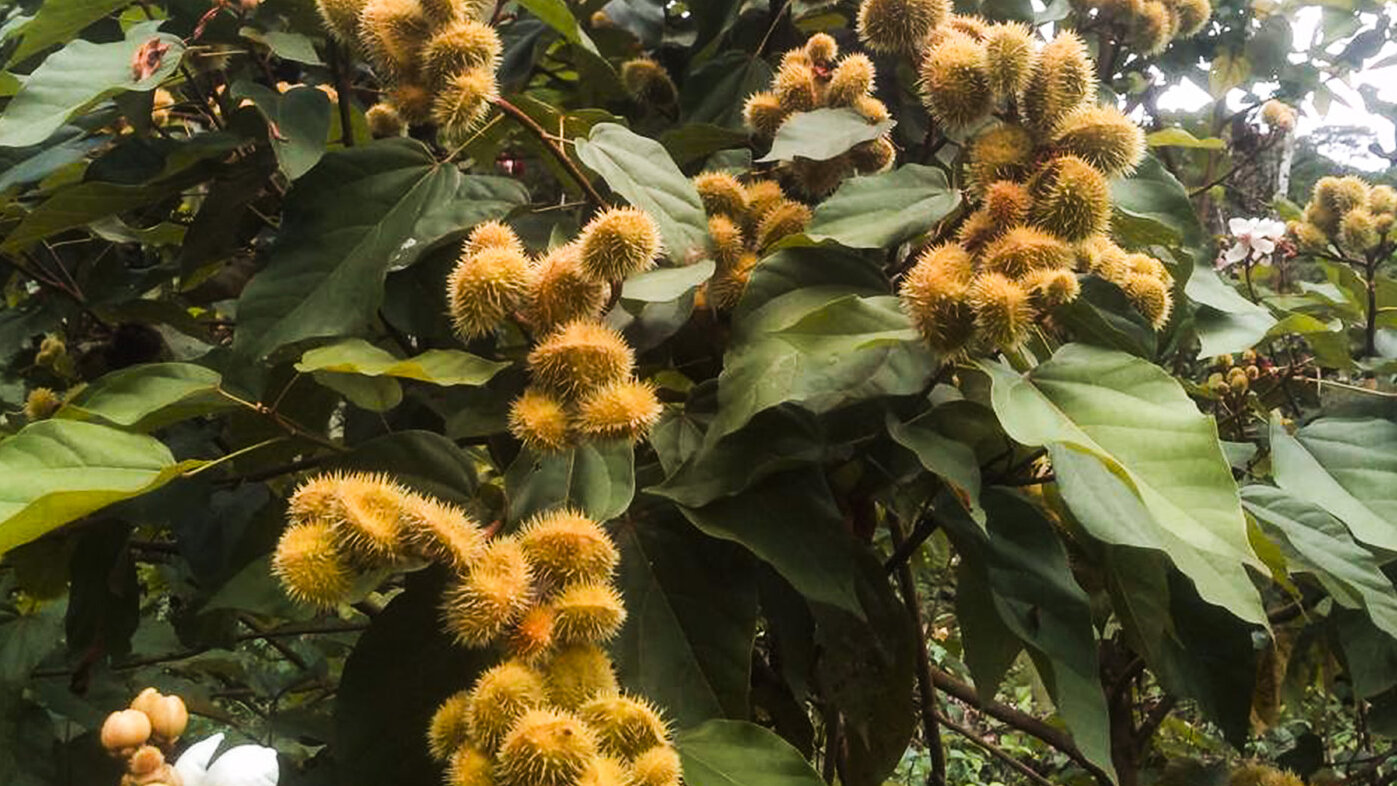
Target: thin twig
995,750
926,689
555,149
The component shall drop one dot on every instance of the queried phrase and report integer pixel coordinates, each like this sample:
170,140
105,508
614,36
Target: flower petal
1241,226
1264,245
1237,253
244,765
192,764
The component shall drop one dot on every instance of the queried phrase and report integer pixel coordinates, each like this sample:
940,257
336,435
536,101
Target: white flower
1256,238
241,765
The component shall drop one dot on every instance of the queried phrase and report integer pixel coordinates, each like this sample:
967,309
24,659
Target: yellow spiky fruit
852,79
658,766
1150,296
545,748
727,240
566,547
462,45
540,421
933,296
384,121
762,196
1191,16
648,81
725,289
624,410
955,81
577,672
1010,55
500,697
1358,232
794,86
1100,256
821,49
977,230
41,403
316,500
491,234
1310,237
1070,199
52,349
560,291
625,726
1332,198
786,218
463,101
619,243
372,525
899,26
1004,152
580,357
486,287
1007,204
308,564
341,18
1022,249
392,32
1063,79
1003,311
450,727
1382,199
443,533
1148,265
588,613
469,766
721,195
1103,137
605,771
532,636
413,101
972,25
819,178
491,596
1050,288
1153,27
872,110
876,155
763,113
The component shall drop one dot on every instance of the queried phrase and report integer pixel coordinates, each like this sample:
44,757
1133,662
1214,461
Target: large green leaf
1104,316
557,15
1319,544
881,211
1226,321
55,471
146,397
76,77
641,170
58,21
1348,466
298,122
437,366
359,213
597,478
738,753
667,283
1138,464
942,455
822,134
1152,206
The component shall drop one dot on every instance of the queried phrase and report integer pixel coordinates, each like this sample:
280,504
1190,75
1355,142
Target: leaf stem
522,118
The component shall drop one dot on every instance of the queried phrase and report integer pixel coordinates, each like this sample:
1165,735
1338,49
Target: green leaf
376,394
76,206
437,366
298,123
822,134
640,170
738,753
597,478
1226,321
55,471
144,398
557,15
943,456
1319,544
1228,71
1348,466
881,211
78,76
359,213
57,22
1178,137
700,140
1137,463
668,283
1152,206
1104,316
287,46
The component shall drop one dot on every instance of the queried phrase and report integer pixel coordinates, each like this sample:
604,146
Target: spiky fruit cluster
1278,116
648,82
1349,219
1148,26
814,76
41,403
436,57
744,221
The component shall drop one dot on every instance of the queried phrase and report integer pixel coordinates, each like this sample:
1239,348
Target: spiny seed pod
625,726
1007,204
648,82
933,296
588,613
872,110
1003,311
124,731
977,230
873,156
168,718
450,728
762,197
1191,16
795,57
728,243
821,49
619,243
491,234
725,289
786,218
604,771
41,403
764,114
1100,256
384,121
532,636
1004,152
974,26
1309,237
1022,249
658,766
392,32
1051,288
624,409
580,357
1148,265
1103,137
341,18
1358,232
566,547
316,500
576,673
1381,199
545,748
540,421
1154,27
1063,79
463,45
1237,379
899,26
491,596
818,178
1150,296
463,101
484,288
470,767
371,529
852,79
955,82
500,697
441,533
413,101
795,88
1338,195
560,291
721,195
310,567
52,348
1010,55
1070,198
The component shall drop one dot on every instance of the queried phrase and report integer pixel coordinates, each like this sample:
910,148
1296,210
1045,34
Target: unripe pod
625,727
588,614
795,87
1051,288
728,243
168,718
899,26
580,357
1381,199
41,403
489,598
499,698
721,195
576,673
565,547
873,156
384,121
1191,16
1154,27
619,243
624,410
392,32
658,766
124,731
545,748
955,82
648,82
532,636
786,218
821,49
605,771
1358,232
819,178
461,46
851,80
413,101
371,530
341,18
1063,79
310,567
560,291
1004,152
933,296
449,729
437,531
1103,137
1023,249
764,114
1003,311
484,288
540,421
1010,55
1151,298
1339,195
1070,199
470,767
463,101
